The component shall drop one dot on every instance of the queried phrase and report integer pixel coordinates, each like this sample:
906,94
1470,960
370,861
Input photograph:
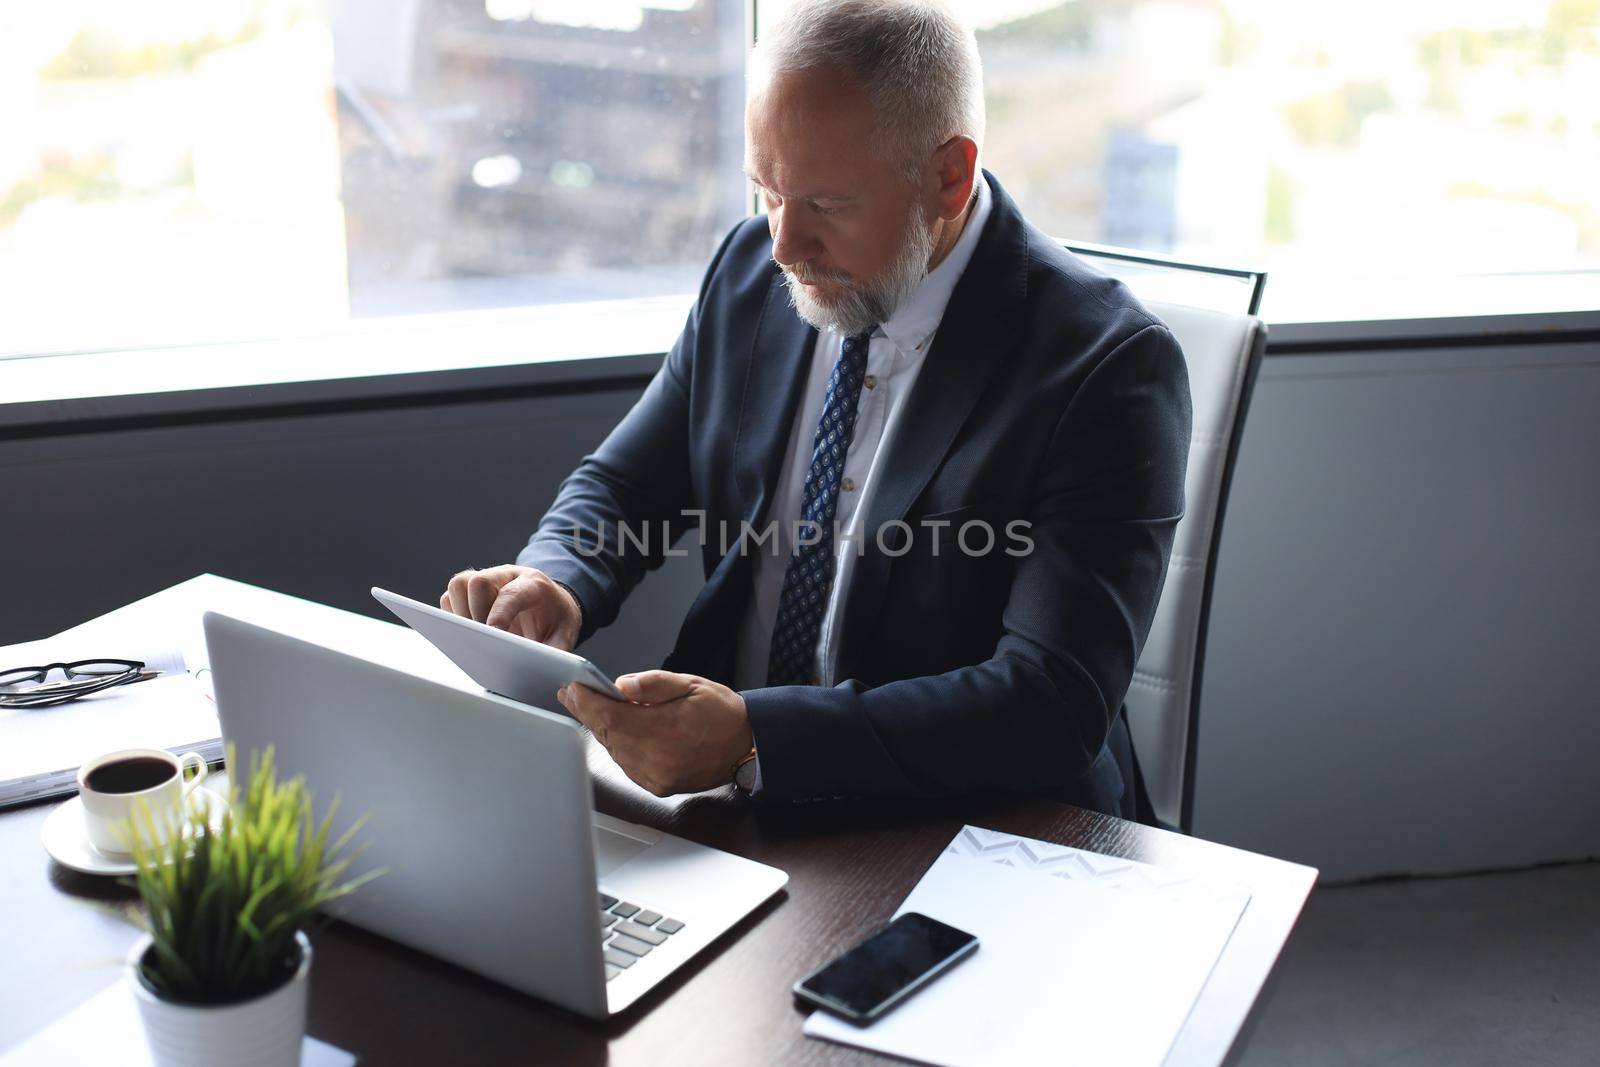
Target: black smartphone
886,968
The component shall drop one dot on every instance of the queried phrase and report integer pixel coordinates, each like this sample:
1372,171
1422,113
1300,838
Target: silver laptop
481,809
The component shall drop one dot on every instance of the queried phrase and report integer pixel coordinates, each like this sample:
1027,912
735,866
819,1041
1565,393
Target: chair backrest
1166,279
1223,350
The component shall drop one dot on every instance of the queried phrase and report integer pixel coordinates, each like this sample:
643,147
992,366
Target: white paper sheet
1082,958
175,615
107,1029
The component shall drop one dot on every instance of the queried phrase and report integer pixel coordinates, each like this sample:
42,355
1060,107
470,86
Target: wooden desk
849,867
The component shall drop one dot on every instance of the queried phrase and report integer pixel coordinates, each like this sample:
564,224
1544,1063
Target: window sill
1385,303
464,356
368,363
1457,331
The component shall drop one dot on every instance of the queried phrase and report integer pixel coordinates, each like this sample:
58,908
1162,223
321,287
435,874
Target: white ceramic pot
264,1032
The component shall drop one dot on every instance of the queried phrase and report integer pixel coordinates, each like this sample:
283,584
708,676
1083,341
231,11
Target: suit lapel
978,332
775,376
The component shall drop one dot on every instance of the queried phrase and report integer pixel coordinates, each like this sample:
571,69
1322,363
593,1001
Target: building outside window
205,170
1379,159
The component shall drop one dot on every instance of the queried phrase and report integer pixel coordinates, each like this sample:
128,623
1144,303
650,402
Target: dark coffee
130,775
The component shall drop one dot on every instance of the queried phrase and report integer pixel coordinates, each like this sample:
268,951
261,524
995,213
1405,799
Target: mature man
959,451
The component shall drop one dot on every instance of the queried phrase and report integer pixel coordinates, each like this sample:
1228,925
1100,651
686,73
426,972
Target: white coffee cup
116,800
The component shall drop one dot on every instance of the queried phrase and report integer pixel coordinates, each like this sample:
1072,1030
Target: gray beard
860,309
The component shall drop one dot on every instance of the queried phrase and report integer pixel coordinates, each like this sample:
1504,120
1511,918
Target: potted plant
223,968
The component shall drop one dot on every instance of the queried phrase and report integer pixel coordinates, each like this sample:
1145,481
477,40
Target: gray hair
917,61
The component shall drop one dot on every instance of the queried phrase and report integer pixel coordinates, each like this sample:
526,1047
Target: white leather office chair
1223,350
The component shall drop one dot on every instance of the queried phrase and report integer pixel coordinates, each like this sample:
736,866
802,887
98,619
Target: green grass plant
222,905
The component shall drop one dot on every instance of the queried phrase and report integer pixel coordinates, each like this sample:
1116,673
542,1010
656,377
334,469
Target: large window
177,170
200,170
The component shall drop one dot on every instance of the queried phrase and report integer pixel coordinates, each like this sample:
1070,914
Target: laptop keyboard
629,932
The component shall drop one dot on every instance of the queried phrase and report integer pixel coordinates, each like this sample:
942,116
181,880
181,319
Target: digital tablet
501,662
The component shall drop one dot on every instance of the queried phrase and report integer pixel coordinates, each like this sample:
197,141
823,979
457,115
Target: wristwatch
744,772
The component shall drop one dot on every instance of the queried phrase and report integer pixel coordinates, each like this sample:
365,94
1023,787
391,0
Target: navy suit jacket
1049,395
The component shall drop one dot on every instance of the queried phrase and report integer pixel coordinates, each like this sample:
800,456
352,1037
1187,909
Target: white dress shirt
894,358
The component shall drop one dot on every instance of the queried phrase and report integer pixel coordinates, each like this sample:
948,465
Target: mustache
811,276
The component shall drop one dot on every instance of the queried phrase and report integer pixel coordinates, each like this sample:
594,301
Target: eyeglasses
25,687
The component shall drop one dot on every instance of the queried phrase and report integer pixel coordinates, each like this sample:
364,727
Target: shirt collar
912,325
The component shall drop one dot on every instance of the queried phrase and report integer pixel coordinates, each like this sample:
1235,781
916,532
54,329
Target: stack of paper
1082,958
44,746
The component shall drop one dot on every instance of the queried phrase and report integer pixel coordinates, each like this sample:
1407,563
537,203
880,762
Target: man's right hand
520,600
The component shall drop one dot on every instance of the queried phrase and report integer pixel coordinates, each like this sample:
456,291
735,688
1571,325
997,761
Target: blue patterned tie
808,581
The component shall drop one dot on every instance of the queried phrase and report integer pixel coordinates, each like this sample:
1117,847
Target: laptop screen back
480,808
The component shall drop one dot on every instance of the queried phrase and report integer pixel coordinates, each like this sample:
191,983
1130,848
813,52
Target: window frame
44,416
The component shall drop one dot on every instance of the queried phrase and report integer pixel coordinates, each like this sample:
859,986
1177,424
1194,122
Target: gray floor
1493,969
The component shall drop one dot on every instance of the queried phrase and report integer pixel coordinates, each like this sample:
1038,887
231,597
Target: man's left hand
680,734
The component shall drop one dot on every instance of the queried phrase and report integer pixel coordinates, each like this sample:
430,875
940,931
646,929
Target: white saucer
67,841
